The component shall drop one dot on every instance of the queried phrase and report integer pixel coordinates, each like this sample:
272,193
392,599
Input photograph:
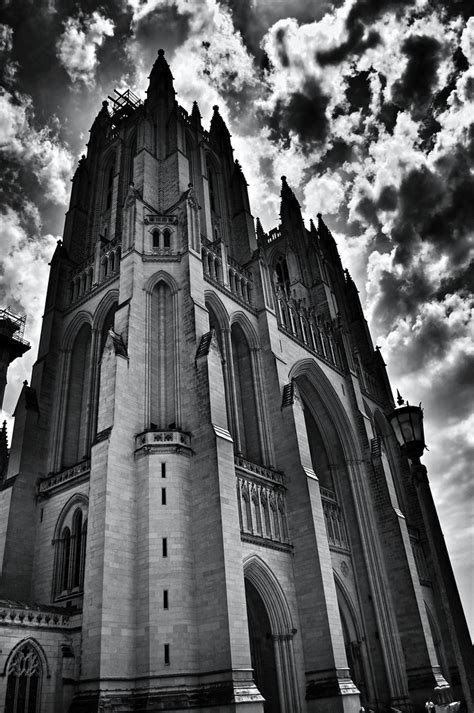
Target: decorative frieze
159,441
17,614
310,330
262,506
76,474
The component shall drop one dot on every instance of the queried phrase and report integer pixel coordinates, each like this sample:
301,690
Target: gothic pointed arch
246,394
69,542
25,669
271,633
244,323
161,276
162,369
82,317
261,576
353,635
76,436
324,401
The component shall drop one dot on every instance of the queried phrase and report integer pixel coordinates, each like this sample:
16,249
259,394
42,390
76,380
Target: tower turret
160,88
12,344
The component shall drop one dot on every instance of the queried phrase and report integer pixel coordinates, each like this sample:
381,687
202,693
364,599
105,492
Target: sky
367,106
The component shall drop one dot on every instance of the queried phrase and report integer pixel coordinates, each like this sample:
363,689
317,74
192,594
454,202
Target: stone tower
205,507
12,344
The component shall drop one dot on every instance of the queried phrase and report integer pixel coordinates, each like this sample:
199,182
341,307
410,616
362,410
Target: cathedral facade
205,507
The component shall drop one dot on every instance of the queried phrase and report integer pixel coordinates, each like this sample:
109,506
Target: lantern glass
407,423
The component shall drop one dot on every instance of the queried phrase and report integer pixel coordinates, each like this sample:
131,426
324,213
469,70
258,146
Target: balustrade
76,473
307,328
262,507
238,279
85,278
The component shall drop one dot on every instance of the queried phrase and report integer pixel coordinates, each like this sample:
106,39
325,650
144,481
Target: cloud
36,152
77,46
23,279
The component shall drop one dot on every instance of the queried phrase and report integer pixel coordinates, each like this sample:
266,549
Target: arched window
282,274
76,427
24,675
132,153
211,177
70,551
163,358
166,238
245,396
155,237
109,187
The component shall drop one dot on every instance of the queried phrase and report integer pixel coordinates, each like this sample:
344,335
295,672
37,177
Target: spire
312,228
219,133
3,451
196,114
289,204
102,122
260,232
161,80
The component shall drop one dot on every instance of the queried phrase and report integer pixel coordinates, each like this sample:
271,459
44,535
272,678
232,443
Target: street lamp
407,424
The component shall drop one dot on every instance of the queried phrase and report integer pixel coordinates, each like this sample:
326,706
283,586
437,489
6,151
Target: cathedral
205,506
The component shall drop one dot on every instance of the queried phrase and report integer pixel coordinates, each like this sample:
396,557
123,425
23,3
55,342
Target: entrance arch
271,633
262,651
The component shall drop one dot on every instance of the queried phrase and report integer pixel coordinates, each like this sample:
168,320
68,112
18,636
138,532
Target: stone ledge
167,441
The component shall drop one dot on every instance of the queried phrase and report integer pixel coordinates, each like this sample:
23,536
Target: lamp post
407,424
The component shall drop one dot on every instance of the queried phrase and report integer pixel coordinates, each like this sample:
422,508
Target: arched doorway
262,649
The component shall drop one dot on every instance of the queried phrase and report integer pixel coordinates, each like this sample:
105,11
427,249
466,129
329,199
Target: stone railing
302,324
334,519
259,471
166,440
238,281
75,473
17,614
262,506
88,277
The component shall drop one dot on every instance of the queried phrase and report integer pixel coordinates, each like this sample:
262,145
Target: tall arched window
282,274
166,238
24,675
245,396
211,177
155,237
76,441
109,187
319,456
70,551
162,358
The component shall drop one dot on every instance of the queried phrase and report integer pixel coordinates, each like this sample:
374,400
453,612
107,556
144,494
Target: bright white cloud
46,157
77,46
23,280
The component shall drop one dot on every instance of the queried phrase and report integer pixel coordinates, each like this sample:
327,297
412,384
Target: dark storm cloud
302,113
165,27
253,19
359,37
358,91
415,88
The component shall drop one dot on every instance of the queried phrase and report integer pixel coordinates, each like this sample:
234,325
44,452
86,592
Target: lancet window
70,551
246,404
24,675
162,361
76,438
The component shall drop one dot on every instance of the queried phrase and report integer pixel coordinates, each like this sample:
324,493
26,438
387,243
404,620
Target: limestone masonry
204,506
